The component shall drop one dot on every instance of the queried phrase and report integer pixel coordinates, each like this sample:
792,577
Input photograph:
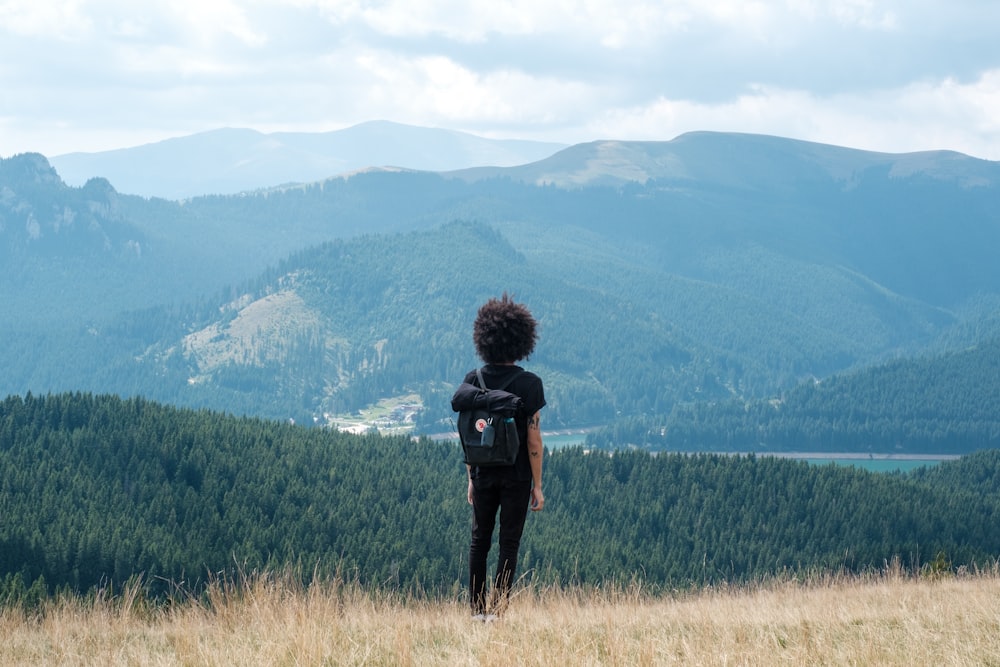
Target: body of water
883,463
557,440
876,463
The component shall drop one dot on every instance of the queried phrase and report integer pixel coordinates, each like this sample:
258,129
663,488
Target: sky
893,76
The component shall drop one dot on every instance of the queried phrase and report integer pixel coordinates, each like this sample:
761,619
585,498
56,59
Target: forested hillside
933,405
95,490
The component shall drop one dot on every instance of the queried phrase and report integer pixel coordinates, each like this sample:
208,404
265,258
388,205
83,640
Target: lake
559,439
877,463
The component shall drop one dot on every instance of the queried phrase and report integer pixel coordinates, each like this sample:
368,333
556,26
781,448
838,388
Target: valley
673,280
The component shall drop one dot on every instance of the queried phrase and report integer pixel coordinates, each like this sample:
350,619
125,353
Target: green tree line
942,404
96,490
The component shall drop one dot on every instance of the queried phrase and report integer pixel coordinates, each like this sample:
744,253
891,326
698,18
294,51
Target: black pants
510,496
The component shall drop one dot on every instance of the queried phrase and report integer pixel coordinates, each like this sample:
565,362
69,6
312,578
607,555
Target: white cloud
861,13
200,21
479,20
437,90
891,75
38,18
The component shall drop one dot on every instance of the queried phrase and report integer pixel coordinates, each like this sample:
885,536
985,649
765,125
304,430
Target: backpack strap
482,383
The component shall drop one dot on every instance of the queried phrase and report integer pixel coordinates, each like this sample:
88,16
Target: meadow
885,618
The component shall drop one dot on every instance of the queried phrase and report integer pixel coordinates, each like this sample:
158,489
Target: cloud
436,88
890,75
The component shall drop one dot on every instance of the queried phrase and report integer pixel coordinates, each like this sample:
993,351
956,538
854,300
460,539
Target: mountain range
233,160
714,267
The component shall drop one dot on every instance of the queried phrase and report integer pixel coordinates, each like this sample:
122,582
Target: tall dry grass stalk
884,619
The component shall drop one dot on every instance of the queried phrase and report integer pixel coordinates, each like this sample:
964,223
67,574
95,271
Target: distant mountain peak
232,160
737,160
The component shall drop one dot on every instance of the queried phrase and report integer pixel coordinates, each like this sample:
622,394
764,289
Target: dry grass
878,620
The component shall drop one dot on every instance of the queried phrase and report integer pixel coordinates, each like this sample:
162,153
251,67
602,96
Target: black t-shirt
529,387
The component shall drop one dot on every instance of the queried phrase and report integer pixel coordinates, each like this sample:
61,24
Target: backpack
486,423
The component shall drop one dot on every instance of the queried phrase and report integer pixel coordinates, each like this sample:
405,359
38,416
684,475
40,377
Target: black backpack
486,423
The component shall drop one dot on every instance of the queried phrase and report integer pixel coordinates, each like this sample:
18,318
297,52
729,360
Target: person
504,333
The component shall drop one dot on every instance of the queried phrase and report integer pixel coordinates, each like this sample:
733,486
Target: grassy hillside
882,619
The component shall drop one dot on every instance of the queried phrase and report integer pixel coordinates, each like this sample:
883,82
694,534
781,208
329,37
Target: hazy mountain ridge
738,161
233,160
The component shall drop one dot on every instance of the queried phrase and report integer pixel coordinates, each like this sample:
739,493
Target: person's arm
468,471
536,453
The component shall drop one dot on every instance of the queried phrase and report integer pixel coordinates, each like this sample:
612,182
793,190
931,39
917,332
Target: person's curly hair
504,331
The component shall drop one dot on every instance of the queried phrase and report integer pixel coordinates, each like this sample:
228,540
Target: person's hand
537,499
470,491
